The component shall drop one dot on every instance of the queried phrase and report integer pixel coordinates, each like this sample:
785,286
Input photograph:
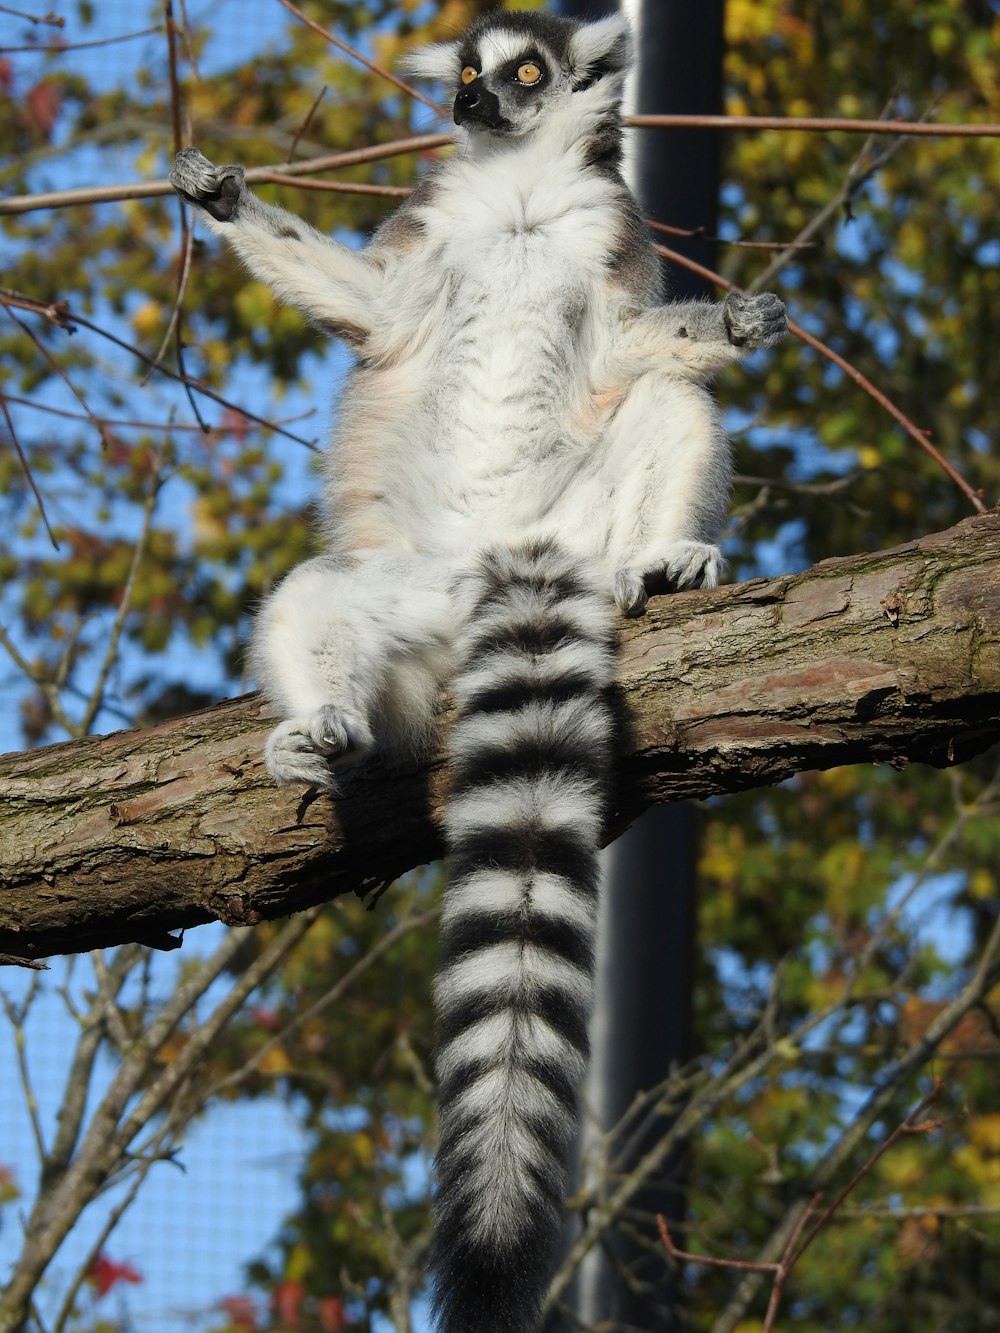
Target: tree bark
892,656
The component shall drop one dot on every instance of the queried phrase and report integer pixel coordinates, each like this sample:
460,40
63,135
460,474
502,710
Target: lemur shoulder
525,441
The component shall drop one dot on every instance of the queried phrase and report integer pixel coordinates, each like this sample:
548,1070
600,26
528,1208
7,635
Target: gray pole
642,1016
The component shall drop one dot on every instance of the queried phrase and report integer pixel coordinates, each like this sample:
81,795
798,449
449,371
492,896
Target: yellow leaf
147,319
984,1132
276,1061
982,885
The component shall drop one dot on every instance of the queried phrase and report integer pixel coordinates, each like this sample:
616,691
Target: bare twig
16,445
375,68
124,606
818,124
16,1014
127,423
700,233
59,313
55,367
173,326
303,128
99,194
39,677
57,48
911,1125
921,436
337,187
52,19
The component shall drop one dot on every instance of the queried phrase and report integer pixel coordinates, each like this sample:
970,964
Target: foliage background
879,881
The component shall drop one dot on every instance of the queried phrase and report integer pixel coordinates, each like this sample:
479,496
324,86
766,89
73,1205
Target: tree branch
892,656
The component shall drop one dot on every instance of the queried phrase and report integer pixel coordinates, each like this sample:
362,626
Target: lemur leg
354,654
666,479
705,336
333,285
668,462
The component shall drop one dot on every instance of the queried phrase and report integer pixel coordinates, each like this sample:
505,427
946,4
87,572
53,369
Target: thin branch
93,1024
59,313
38,677
692,233
175,92
55,367
819,124
187,251
362,59
123,423
16,443
979,808
57,48
304,127
124,606
15,1016
921,437
52,19
911,1125
99,194
918,1211
337,187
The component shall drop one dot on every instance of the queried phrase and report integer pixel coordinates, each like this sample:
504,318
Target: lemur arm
336,287
705,336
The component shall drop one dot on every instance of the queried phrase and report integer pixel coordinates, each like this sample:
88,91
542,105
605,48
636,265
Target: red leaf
265,1018
233,422
286,1301
104,1273
42,104
241,1312
332,1315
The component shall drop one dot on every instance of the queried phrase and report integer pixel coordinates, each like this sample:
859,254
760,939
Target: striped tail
531,753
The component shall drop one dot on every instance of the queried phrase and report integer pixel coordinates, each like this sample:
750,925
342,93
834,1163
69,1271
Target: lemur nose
468,99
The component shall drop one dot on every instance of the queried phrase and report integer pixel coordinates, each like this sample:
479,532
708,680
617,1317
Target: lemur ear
438,62
599,49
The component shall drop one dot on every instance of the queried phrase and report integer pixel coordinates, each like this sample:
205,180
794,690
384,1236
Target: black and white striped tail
531,753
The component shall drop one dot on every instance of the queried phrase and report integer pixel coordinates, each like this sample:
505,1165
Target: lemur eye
468,74
529,72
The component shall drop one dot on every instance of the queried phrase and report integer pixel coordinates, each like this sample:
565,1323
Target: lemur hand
754,321
215,189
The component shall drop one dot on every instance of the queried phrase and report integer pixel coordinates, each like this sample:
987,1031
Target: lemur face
510,71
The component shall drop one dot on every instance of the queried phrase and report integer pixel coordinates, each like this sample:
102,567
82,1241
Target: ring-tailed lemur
524,442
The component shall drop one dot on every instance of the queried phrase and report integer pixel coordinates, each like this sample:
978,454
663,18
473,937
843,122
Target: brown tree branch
892,656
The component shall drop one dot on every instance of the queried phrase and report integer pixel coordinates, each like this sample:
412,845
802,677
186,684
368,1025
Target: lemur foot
215,189
754,321
304,749
682,565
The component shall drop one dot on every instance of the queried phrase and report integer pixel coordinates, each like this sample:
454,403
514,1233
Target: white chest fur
520,245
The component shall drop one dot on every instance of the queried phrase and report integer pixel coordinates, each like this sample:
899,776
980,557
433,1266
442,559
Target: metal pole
642,1016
